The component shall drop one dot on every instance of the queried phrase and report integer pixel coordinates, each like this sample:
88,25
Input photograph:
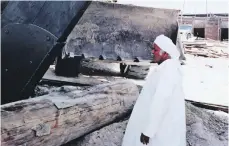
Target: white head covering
168,46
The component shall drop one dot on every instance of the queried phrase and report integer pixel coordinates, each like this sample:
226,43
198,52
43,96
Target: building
214,26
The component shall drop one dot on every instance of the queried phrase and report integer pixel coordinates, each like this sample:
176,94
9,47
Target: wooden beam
215,107
55,119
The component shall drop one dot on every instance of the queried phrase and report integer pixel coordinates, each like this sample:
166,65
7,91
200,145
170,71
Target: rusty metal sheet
33,34
21,12
57,17
114,30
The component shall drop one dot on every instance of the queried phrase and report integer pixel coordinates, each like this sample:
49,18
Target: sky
186,6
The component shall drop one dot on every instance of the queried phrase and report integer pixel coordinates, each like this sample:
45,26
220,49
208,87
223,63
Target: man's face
156,52
158,55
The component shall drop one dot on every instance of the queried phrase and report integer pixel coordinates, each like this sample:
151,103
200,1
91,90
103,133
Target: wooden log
198,53
137,71
91,67
55,119
194,43
205,54
52,78
209,106
128,69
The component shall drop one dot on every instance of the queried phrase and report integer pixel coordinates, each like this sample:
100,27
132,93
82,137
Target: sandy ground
204,128
205,80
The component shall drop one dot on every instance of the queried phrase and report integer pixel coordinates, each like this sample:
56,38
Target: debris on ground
110,135
206,48
204,128
45,89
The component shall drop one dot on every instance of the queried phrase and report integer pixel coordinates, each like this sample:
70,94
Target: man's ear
161,53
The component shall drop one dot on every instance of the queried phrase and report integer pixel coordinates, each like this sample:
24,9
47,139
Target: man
180,47
197,36
158,117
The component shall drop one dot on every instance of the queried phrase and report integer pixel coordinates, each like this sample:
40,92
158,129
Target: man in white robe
158,117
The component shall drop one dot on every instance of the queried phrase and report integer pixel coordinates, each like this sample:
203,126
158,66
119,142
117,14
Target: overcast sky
190,6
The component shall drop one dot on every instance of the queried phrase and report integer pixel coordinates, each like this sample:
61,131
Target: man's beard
158,62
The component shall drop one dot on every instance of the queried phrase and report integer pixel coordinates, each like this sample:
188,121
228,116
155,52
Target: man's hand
144,139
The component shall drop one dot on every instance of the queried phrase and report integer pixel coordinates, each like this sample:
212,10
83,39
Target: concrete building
213,27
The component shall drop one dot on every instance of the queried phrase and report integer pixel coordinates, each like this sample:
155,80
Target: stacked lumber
206,48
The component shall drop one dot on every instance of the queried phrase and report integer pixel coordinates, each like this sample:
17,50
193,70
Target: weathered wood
101,71
56,118
135,70
81,80
91,67
209,106
206,48
51,79
138,71
205,54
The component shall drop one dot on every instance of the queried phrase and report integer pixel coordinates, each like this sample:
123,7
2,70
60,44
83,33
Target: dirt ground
204,128
204,79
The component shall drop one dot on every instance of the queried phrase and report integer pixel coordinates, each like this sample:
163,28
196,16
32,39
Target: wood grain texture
90,67
55,119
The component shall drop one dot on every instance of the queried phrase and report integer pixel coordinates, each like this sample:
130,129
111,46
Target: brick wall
212,26
212,32
212,29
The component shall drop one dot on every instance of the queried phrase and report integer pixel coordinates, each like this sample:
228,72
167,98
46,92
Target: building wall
212,25
212,31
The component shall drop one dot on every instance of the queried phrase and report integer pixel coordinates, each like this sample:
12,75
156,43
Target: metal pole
207,8
182,12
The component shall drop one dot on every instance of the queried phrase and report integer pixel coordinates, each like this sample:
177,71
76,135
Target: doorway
200,32
224,34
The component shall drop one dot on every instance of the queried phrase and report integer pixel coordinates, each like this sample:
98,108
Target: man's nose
152,54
